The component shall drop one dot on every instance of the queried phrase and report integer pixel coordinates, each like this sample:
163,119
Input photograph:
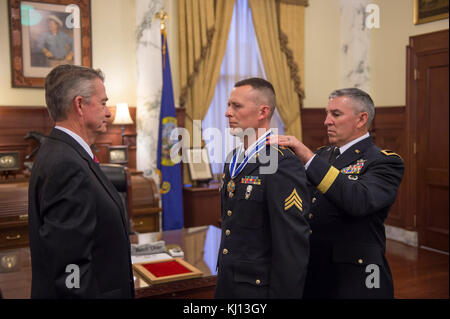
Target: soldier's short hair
265,88
64,83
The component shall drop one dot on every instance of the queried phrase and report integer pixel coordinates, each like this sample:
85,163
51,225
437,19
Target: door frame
434,42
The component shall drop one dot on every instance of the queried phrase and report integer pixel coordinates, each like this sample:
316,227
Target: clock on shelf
9,163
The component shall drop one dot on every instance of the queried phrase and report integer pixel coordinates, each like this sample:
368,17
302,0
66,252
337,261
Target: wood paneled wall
16,122
388,131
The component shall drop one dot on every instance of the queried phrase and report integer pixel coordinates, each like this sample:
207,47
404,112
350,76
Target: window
242,60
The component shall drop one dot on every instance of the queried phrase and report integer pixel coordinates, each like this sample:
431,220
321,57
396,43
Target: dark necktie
334,154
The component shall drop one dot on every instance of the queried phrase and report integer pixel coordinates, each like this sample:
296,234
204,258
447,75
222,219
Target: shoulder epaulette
277,149
287,148
389,153
319,148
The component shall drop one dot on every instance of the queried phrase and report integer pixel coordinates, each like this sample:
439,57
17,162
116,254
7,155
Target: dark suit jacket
76,218
264,246
350,203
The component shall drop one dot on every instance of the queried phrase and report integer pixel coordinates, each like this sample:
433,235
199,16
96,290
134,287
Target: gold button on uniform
229,213
310,231
225,251
310,216
360,261
258,282
227,232
314,200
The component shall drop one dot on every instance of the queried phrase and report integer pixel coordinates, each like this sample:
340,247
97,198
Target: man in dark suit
353,185
78,237
264,199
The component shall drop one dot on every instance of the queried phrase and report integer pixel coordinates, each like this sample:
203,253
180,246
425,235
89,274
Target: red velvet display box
166,270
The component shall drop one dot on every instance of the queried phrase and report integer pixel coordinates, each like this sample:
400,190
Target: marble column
149,84
355,45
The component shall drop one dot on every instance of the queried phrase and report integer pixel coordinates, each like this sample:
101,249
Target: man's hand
302,152
47,53
69,56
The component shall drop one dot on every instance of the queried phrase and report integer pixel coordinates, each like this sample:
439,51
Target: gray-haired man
353,185
78,237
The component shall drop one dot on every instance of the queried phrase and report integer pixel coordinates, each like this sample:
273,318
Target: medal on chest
236,166
248,192
231,187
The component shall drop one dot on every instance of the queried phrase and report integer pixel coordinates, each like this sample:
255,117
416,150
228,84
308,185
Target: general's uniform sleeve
288,202
68,214
375,188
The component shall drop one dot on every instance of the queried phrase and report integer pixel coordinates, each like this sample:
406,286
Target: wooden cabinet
201,206
145,204
13,215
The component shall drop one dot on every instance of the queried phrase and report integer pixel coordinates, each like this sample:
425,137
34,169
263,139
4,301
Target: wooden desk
200,246
201,206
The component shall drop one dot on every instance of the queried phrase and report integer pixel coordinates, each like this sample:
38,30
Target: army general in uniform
264,200
353,185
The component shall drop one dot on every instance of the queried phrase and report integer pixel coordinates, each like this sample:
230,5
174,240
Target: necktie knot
336,152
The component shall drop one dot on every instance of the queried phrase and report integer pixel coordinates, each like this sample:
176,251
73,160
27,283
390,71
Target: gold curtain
203,33
204,27
279,27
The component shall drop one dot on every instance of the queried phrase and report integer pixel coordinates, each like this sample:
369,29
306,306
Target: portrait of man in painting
49,37
53,45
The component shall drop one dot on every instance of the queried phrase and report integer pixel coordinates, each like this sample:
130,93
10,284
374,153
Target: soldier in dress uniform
353,185
265,236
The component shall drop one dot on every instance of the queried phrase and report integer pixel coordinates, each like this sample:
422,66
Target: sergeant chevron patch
292,200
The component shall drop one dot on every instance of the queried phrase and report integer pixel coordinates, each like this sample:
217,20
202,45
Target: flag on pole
170,172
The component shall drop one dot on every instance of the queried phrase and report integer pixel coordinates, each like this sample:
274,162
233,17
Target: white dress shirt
77,138
342,149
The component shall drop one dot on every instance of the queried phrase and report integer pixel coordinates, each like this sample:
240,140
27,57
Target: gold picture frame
118,154
152,278
428,11
199,164
45,34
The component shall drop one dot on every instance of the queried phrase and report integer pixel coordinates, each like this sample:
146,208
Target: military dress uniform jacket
350,202
265,236
76,217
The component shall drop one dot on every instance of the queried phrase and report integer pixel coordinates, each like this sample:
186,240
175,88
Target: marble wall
354,45
149,84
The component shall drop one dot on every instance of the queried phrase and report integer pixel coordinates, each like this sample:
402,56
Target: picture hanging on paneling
46,34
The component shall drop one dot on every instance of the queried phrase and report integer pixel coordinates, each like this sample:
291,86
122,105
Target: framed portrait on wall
430,10
199,164
46,34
